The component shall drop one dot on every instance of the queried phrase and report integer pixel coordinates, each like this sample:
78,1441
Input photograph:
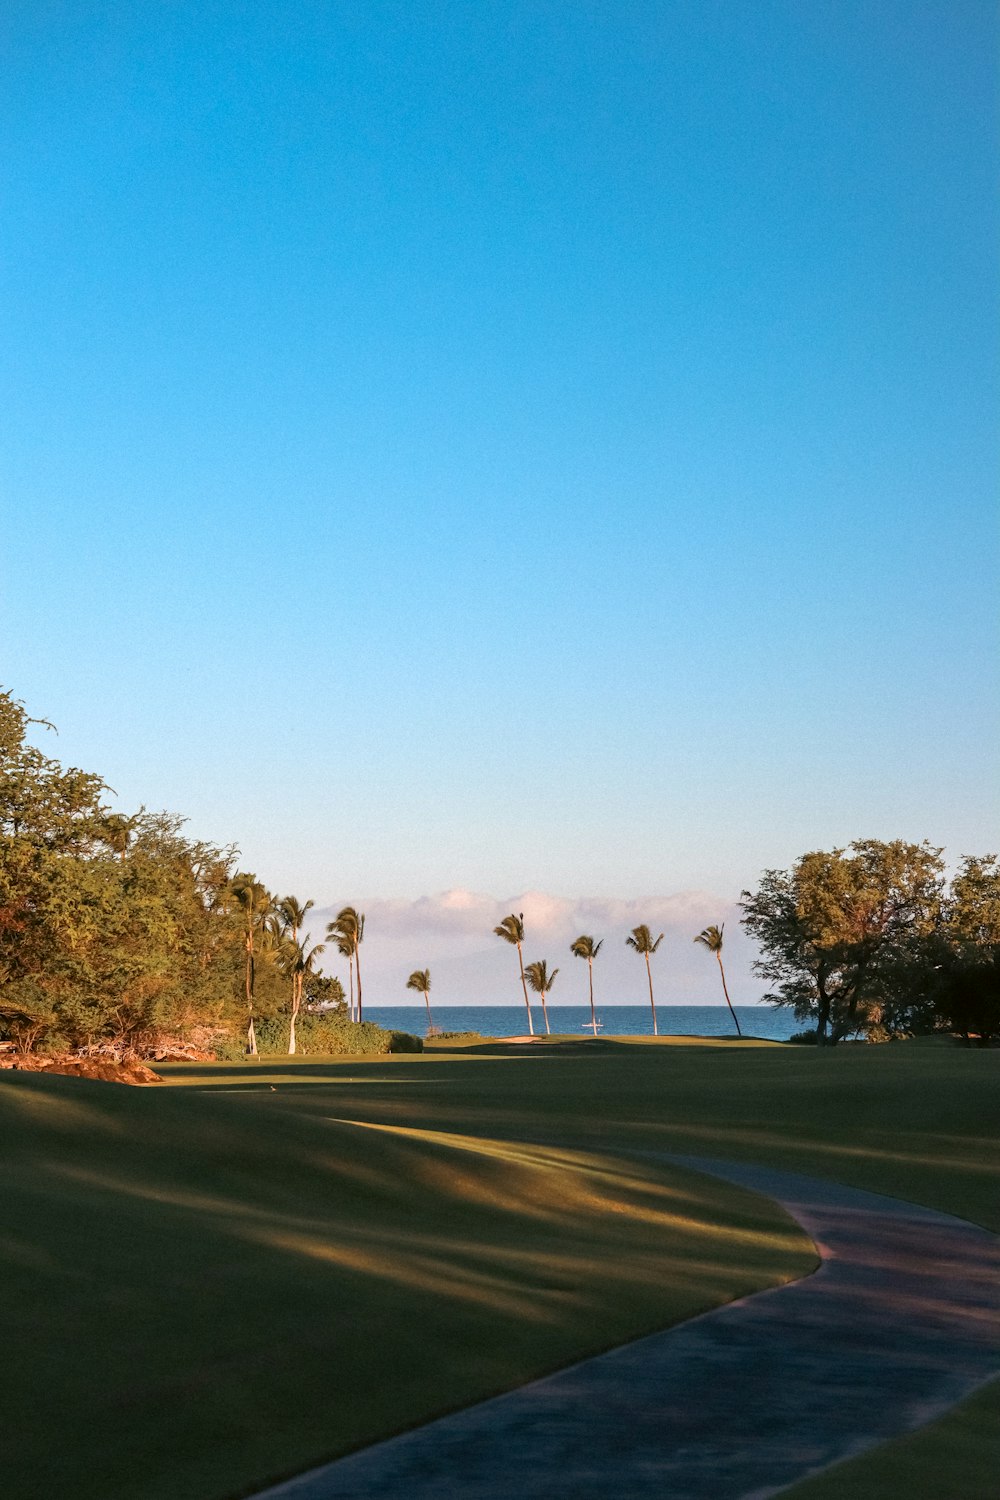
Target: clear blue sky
540,445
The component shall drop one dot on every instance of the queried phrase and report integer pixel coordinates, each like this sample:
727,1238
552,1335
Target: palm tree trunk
357,964
545,1014
725,991
649,975
350,970
524,986
427,1002
251,985
593,1017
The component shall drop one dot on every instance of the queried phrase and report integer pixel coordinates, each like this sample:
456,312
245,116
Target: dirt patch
101,1069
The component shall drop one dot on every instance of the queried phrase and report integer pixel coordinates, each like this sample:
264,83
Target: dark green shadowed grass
208,1290
915,1121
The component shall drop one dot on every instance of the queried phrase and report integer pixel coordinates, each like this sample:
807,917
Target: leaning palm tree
541,982
511,929
420,980
345,947
349,925
290,914
256,904
711,938
641,939
585,947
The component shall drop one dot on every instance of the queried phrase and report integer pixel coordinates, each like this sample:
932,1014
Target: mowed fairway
211,1286
217,1283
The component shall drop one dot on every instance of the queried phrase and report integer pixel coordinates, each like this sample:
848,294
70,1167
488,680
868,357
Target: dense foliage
117,931
873,941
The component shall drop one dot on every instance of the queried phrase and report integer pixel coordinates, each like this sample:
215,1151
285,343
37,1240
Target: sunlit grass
909,1120
207,1289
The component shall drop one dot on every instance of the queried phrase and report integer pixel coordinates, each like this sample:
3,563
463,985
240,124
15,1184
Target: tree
585,947
641,940
345,947
420,980
838,929
348,927
290,915
256,904
541,982
511,929
711,938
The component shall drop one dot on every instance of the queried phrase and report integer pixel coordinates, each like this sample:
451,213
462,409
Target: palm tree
641,939
256,904
711,938
349,925
511,929
420,980
345,946
585,947
541,982
290,915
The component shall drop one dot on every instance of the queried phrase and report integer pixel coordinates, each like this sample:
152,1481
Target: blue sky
529,447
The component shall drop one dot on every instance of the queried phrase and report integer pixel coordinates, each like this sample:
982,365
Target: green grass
916,1122
228,1279
209,1289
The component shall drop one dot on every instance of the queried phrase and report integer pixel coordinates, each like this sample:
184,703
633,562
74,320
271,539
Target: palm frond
538,976
419,980
585,947
641,939
711,938
511,929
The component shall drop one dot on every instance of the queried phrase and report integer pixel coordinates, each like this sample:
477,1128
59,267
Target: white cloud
452,933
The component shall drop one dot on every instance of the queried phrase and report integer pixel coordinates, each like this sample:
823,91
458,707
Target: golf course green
218,1282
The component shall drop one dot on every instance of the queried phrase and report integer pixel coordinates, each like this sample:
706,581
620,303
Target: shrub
404,1041
804,1038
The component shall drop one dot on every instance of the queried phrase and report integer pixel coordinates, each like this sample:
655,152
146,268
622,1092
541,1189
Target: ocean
617,1020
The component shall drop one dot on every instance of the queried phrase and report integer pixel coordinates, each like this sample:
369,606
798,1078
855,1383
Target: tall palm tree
256,904
349,925
345,947
641,939
711,938
420,980
511,929
585,947
541,982
290,914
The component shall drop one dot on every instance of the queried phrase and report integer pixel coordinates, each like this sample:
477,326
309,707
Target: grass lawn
229,1279
208,1290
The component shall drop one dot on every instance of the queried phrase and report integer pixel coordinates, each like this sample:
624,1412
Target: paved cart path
901,1321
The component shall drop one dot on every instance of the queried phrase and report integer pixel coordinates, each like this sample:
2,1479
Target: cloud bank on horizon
452,934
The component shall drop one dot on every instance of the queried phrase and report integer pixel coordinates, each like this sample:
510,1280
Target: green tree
420,980
585,947
711,938
541,982
290,914
838,929
256,904
511,929
641,940
348,927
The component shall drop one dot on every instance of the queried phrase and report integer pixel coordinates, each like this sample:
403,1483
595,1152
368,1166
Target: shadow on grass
212,1291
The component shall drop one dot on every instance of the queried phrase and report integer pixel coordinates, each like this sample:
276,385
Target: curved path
901,1321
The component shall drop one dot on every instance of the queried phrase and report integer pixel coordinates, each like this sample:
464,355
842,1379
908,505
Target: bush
804,1038
404,1041
230,1048
318,1036
459,1036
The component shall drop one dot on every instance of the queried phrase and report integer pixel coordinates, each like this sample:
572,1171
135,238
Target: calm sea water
618,1020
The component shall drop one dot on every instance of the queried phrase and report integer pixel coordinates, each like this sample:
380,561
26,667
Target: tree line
116,931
